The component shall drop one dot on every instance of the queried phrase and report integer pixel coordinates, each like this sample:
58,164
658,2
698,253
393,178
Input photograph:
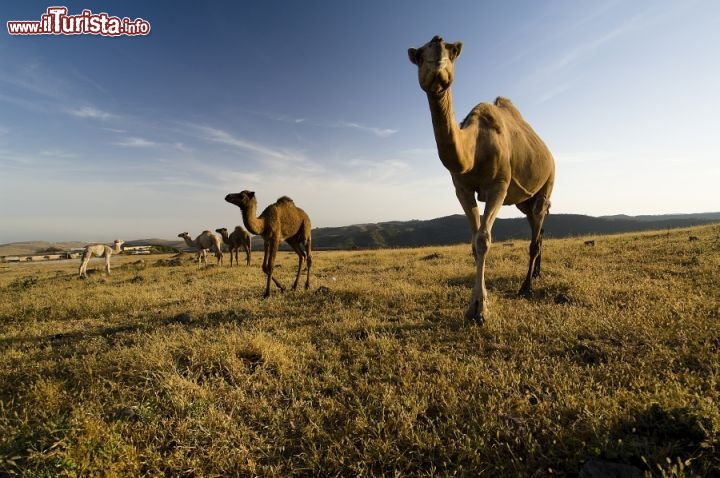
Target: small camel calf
694,238
99,250
590,243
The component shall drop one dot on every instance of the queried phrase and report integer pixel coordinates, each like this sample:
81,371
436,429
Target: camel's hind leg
308,256
536,209
107,264
303,253
301,258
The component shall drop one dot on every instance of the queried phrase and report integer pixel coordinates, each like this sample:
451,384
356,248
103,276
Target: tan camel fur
204,242
237,239
99,250
281,221
493,154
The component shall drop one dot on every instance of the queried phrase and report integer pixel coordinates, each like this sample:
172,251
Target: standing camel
204,242
493,154
99,250
281,221
237,239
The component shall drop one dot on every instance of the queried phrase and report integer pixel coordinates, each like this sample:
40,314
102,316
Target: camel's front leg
478,307
107,263
271,248
83,267
466,197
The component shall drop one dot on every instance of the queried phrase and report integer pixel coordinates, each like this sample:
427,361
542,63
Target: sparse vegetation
160,249
50,250
173,371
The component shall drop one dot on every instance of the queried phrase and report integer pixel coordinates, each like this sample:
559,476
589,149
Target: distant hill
440,231
454,229
27,248
711,216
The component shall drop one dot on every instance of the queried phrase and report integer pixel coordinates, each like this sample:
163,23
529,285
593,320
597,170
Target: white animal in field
99,250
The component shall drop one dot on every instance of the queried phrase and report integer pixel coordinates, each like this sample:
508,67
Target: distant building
137,250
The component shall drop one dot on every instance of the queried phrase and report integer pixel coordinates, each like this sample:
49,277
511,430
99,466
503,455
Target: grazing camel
239,238
204,242
99,250
494,155
281,221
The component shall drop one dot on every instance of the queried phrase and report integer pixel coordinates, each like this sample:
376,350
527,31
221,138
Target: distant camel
590,243
493,155
237,239
99,250
281,221
204,242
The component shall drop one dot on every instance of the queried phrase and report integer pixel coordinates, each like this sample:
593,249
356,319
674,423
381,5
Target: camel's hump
284,199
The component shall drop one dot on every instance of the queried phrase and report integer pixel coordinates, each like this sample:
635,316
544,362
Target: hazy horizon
175,238
143,136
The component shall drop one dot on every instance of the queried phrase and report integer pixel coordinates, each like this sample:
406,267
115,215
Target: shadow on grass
651,438
146,324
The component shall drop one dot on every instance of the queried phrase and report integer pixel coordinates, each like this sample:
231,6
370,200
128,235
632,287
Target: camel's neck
225,237
254,224
452,149
117,248
189,241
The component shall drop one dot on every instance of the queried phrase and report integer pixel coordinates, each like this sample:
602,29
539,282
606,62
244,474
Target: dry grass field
164,369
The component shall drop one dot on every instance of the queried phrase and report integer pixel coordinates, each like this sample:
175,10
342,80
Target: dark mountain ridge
454,229
441,231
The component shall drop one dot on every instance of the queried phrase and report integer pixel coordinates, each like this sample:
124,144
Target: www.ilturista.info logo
57,22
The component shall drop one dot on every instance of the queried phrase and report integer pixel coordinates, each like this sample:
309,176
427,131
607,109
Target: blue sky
139,137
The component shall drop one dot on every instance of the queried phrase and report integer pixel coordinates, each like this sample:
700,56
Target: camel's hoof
525,292
478,320
474,314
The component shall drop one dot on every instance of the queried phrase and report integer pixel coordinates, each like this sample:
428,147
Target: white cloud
381,132
216,135
90,112
135,142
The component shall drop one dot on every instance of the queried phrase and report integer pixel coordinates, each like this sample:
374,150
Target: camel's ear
454,50
414,55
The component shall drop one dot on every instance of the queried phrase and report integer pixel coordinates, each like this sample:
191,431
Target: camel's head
436,64
119,243
184,234
221,230
242,199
